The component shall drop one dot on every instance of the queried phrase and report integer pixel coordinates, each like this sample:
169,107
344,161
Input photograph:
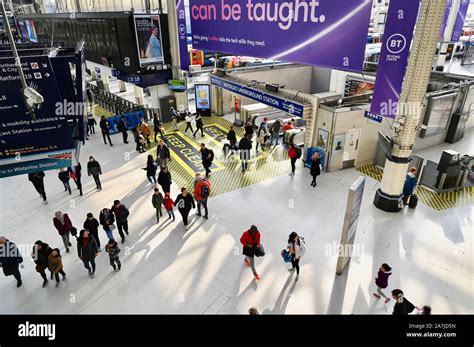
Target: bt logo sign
396,43
182,29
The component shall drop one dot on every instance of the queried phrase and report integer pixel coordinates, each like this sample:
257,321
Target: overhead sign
257,95
184,34
28,144
460,19
149,41
351,218
393,61
329,33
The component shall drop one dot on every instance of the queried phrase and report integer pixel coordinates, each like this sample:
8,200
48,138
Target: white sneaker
186,227
45,202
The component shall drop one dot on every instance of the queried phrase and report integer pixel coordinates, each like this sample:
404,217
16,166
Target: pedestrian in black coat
87,250
37,178
122,127
121,213
10,259
104,127
76,174
164,179
151,167
185,202
94,169
402,305
315,168
40,255
63,176
92,225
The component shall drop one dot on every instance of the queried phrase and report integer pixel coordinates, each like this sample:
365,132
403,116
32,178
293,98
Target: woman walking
87,250
297,249
315,168
260,139
107,220
402,305
151,168
185,202
164,179
40,255
382,281
55,265
250,240
63,225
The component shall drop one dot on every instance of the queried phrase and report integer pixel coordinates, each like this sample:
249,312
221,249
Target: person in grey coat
10,259
87,250
94,170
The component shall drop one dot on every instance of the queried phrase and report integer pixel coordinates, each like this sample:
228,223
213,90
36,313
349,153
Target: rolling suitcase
413,201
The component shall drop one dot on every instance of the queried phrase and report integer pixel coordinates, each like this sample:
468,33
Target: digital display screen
203,97
30,27
149,40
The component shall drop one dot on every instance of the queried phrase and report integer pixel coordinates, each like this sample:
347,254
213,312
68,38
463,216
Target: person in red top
250,239
288,126
202,189
63,224
169,204
293,154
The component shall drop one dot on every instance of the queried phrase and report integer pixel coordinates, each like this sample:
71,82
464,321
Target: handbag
257,250
286,256
248,251
112,227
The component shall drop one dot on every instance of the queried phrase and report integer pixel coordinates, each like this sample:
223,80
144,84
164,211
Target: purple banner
398,34
328,33
182,35
460,18
449,5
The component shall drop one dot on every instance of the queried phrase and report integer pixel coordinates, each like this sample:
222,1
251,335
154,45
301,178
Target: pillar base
388,203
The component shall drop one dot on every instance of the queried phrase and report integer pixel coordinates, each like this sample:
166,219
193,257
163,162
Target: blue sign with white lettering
374,117
257,95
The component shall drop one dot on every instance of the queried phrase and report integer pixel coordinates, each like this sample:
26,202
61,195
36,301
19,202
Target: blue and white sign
257,95
374,117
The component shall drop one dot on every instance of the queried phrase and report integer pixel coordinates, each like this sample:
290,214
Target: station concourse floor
167,270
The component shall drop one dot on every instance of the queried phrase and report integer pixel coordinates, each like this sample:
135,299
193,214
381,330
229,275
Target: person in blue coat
410,184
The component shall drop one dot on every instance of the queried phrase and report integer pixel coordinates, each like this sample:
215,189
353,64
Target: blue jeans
276,138
171,213
110,234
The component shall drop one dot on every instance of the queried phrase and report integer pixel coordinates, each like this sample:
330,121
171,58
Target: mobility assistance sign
327,33
30,144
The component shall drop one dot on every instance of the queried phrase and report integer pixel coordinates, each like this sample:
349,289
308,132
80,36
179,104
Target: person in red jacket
250,240
169,205
293,154
202,189
63,225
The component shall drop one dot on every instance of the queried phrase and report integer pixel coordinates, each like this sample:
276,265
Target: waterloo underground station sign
328,33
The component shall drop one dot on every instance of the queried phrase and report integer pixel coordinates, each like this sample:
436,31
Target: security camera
33,99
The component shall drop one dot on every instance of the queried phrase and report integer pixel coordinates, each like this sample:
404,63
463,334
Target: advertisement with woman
149,41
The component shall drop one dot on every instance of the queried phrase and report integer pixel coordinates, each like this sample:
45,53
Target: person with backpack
104,127
381,281
150,169
245,145
207,158
164,179
113,249
121,213
232,138
55,265
185,202
63,225
64,177
157,202
250,240
275,130
169,204
248,129
409,186
87,251
94,169
122,127
294,153
107,221
199,125
40,255
402,305
163,154
296,248
10,260
202,190
189,125
315,170
37,178
92,225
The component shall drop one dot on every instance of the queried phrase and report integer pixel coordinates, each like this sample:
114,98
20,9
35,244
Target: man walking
93,168
157,127
10,259
121,217
232,138
275,130
122,127
163,154
199,125
104,127
189,120
207,158
245,146
37,179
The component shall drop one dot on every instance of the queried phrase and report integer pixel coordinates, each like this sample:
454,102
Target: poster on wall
338,144
322,138
184,34
398,35
203,97
149,41
327,33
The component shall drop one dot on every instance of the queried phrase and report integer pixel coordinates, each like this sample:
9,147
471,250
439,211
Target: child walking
113,250
169,204
382,281
55,265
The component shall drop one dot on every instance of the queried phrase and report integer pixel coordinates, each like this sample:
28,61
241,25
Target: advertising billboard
328,33
30,28
203,97
460,19
149,40
177,85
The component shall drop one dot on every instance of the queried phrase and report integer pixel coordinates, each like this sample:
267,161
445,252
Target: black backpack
299,153
211,152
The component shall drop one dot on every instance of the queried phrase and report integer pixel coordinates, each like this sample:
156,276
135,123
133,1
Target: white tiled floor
168,270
